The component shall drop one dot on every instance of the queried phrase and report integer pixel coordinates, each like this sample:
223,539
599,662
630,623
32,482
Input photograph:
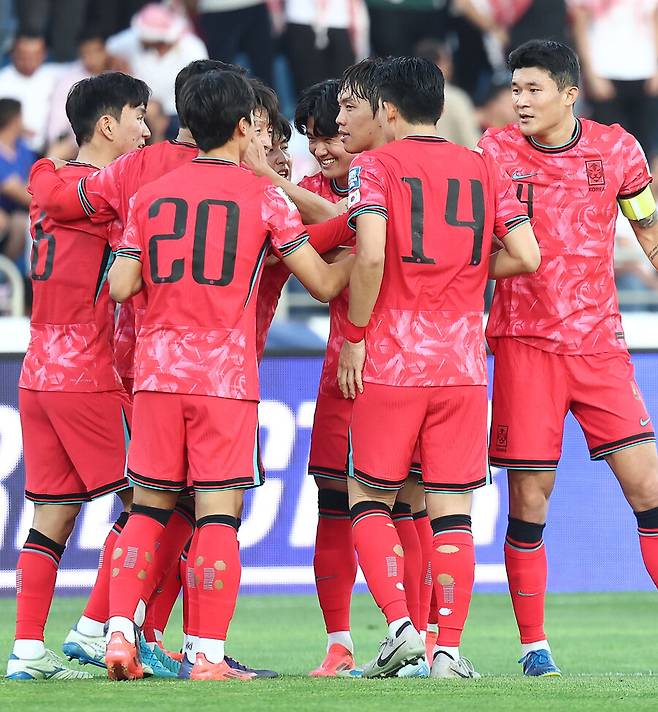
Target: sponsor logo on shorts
501,437
645,421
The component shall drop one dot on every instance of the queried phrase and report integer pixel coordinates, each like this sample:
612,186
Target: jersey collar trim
337,190
214,161
575,137
182,143
425,139
80,163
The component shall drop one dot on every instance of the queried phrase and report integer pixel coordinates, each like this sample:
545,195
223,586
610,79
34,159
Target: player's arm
313,208
640,209
58,198
365,283
323,281
125,275
290,242
518,255
330,234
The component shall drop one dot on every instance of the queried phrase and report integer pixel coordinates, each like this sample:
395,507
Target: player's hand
600,88
350,368
255,159
341,206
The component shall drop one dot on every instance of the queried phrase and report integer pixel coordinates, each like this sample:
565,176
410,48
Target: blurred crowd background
48,45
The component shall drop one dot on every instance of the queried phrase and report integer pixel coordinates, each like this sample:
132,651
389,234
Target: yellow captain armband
639,206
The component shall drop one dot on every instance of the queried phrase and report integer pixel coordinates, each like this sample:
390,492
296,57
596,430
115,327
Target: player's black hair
9,110
558,59
107,93
415,86
360,80
194,69
213,104
266,99
281,130
320,103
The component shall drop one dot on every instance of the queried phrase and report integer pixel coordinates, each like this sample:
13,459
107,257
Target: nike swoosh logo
521,176
644,422
526,595
385,661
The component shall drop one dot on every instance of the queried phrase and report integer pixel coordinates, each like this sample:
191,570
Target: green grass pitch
606,644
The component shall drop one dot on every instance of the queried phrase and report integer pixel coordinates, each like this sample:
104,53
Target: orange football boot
204,670
122,659
338,658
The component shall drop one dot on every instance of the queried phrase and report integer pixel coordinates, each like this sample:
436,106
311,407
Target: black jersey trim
575,137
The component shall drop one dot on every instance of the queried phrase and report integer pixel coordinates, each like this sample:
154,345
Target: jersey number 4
476,225
177,266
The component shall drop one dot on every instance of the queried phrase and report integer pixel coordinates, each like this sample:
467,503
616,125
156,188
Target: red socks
36,572
525,561
647,528
215,568
381,557
424,530
413,559
98,603
453,568
133,559
334,561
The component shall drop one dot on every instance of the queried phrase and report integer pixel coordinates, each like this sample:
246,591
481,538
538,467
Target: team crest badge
595,176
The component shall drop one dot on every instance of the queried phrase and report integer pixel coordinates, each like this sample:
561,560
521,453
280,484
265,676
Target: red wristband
354,333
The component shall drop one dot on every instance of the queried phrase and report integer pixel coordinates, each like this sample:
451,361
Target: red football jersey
570,304
443,204
275,277
104,196
72,315
202,233
338,306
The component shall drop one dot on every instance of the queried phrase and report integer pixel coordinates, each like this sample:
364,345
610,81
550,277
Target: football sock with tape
647,529
413,558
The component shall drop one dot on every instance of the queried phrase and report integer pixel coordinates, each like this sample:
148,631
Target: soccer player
278,157
68,383
209,226
414,358
361,130
334,560
557,336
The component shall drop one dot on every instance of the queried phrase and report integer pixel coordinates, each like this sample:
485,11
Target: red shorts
331,424
204,442
449,422
74,444
534,390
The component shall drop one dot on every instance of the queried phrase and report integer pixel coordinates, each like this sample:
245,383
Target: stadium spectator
61,21
157,46
230,27
30,80
617,45
496,109
93,59
396,26
317,40
16,159
7,22
458,122
157,121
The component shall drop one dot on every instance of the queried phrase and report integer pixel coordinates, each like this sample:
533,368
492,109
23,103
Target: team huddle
399,232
